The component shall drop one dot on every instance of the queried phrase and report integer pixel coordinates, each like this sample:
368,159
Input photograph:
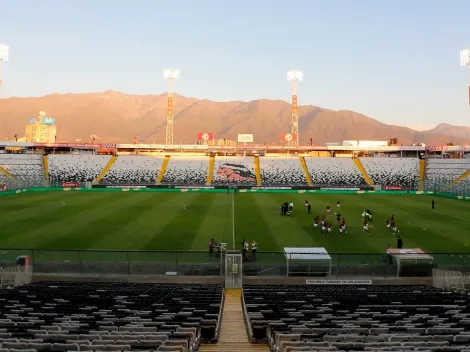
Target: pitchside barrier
209,189
201,263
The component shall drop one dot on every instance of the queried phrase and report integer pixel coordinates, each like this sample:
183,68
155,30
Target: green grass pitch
186,221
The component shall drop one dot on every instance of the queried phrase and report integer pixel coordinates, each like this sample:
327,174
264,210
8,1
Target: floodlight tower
4,50
171,75
295,77
465,61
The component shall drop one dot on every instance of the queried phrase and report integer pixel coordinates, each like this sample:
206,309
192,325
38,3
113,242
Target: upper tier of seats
358,318
76,168
392,171
334,171
234,170
133,170
26,168
190,170
61,316
440,173
281,171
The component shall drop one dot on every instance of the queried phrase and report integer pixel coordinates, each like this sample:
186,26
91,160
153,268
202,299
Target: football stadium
229,245
122,247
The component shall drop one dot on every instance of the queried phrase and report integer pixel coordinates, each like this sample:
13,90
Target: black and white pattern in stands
334,171
76,168
134,170
26,168
282,171
68,316
234,170
189,170
440,173
392,171
358,318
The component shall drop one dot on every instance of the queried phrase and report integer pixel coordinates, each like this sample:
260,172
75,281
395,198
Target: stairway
232,335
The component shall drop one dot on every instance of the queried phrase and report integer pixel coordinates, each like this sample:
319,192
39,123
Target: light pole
4,51
465,61
170,75
295,77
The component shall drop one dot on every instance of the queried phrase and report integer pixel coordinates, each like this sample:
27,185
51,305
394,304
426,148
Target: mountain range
118,117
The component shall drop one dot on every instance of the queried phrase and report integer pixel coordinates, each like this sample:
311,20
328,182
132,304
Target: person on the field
365,227
388,223
254,248
324,227
399,242
432,204
316,221
323,220
338,217
342,226
329,227
338,205
211,247
328,209
291,206
309,208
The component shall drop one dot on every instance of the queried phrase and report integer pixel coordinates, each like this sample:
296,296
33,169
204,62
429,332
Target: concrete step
232,334
231,347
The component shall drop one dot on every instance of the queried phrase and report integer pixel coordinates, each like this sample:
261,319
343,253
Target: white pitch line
186,208
233,220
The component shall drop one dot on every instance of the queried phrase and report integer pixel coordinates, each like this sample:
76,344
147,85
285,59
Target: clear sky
396,60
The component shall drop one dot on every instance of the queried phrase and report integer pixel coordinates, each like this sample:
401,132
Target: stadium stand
26,170
357,318
234,170
282,171
189,170
334,171
440,173
68,316
133,170
392,171
76,168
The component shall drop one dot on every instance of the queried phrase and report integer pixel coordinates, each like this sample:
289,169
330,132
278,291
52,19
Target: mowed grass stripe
136,221
217,222
35,226
182,225
254,221
82,223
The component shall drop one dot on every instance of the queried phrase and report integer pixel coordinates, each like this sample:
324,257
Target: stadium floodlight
170,75
465,57
4,56
295,77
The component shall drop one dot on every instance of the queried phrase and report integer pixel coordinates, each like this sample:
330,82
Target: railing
201,263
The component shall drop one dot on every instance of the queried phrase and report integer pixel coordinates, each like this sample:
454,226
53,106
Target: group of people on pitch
246,248
324,223
287,208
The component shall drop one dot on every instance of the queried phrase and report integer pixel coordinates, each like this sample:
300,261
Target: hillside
118,117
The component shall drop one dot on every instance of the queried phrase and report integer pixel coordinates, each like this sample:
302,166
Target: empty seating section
234,170
26,168
358,318
282,171
58,316
334,171
76,168
190,170
440,173
392,171
133,170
